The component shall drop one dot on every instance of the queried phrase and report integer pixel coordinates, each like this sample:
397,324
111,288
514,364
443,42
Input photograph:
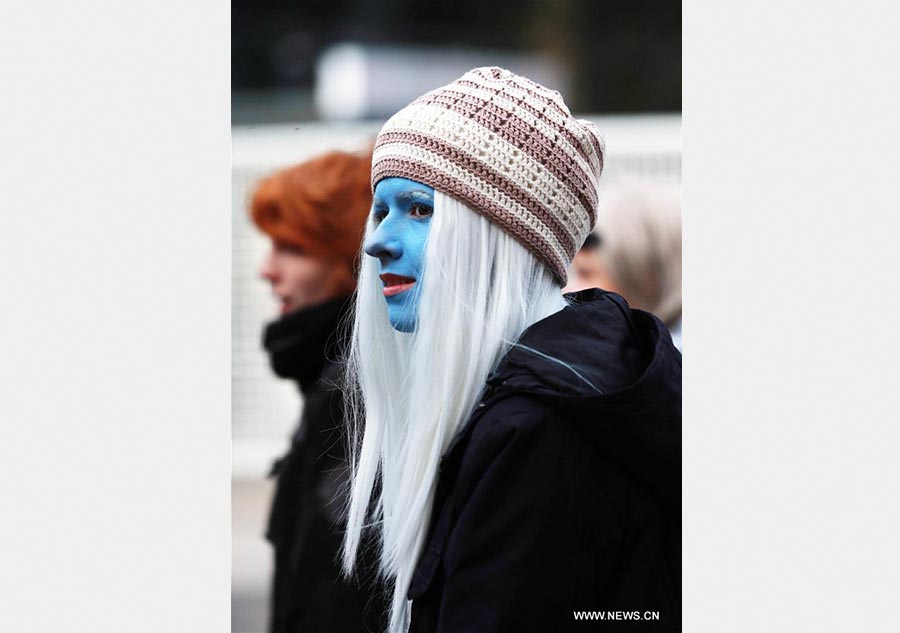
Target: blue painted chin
403,310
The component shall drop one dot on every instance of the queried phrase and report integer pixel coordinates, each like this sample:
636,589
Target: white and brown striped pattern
508,148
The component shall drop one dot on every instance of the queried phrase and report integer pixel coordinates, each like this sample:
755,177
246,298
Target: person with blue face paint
516,451
401,215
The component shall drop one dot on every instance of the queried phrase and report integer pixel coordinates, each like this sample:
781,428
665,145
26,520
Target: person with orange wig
314,213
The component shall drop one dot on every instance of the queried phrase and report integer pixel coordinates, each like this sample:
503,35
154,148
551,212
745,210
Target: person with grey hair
527,443
635,251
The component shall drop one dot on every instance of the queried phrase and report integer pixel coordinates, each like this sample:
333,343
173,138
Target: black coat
554,498
305,526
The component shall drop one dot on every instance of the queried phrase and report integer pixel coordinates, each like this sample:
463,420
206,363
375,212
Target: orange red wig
320,208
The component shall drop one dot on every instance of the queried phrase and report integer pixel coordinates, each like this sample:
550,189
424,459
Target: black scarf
300,343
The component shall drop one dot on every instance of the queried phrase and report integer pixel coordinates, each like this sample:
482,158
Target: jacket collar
613,372
302,342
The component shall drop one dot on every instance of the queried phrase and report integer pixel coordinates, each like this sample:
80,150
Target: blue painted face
401,216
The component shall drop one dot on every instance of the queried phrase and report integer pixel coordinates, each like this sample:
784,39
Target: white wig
408,394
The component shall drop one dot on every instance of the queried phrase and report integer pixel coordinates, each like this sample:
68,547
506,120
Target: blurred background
312,76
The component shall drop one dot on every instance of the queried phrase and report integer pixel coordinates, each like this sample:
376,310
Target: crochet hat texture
509,149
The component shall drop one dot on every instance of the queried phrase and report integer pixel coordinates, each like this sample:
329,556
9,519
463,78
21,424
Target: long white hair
408,394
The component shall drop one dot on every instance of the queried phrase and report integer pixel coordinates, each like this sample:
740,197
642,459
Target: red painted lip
395,284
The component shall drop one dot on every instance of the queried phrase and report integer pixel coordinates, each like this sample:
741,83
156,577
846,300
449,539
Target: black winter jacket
305,524
557,498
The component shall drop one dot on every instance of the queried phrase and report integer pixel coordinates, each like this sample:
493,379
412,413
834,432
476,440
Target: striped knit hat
509,149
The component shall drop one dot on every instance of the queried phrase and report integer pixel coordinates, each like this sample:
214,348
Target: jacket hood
616,374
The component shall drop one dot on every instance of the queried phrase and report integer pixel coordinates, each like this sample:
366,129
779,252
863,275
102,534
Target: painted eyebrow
416,194
407,196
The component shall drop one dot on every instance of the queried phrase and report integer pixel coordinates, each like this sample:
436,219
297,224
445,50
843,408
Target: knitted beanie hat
509,149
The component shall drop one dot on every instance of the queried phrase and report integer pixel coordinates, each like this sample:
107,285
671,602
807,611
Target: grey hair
639,225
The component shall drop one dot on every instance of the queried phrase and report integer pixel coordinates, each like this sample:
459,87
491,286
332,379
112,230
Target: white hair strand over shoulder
409,393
